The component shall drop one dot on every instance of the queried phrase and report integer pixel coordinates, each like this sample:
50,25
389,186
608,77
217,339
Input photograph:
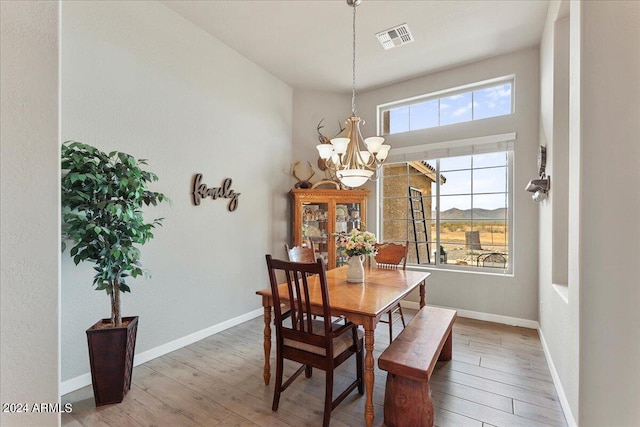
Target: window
485,100
454,209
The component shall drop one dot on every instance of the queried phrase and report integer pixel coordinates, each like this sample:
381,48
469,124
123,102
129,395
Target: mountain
478,214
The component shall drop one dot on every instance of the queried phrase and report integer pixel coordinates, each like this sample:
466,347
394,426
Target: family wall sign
201,191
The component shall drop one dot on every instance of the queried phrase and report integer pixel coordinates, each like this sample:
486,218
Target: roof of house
428,170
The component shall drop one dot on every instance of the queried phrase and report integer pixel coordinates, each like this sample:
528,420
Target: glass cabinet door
347,217
320,213
315,228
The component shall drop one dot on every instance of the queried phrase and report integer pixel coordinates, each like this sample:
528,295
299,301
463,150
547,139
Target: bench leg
407,403
447,349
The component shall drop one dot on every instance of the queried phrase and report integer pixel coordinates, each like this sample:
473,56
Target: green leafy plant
102,199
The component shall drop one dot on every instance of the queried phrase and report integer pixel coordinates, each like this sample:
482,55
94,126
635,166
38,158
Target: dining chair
303,253
313,343
392,256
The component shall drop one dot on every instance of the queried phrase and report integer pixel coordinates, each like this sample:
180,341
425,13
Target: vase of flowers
356,245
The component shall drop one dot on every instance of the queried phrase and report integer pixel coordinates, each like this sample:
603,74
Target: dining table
360,303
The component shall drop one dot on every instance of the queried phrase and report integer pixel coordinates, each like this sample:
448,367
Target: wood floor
498,377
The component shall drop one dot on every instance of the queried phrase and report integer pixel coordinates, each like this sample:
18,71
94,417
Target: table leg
267,343
422,298
369,376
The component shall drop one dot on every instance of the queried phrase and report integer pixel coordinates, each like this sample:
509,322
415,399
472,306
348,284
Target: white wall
29,209
591,329
559,301
610,214
506,297
136,77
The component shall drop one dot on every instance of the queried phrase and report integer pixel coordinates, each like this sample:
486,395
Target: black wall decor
201,191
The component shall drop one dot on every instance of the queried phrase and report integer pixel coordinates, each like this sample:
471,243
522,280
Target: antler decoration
324,140
302,183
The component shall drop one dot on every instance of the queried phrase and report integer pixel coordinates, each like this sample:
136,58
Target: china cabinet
318,214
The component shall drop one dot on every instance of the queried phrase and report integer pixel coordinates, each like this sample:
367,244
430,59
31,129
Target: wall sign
201,191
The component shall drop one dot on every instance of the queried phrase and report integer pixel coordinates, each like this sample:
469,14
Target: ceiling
308,44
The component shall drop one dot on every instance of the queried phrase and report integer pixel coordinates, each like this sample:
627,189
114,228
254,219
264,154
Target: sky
463,107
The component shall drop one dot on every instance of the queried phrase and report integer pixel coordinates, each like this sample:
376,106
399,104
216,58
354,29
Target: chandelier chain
345,158
353,77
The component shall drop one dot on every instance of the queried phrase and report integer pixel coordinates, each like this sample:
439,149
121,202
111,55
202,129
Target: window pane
493,235
430,204
453,254
455,109
458,182
424,115
399,120
453,230
492,260
492,102
450,205
394,169
455,163
489,159
494,206
393,229
420,253
397,208
492,180
395,186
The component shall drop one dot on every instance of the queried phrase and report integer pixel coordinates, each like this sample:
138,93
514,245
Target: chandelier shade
352,159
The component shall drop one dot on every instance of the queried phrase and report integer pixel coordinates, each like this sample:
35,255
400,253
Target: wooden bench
409,361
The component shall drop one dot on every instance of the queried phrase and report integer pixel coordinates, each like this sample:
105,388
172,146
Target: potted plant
102,199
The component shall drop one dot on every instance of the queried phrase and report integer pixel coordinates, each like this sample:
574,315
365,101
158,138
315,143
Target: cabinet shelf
319,214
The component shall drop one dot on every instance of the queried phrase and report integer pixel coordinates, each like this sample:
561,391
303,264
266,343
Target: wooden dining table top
381,289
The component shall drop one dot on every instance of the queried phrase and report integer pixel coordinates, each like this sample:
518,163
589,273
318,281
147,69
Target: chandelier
344,157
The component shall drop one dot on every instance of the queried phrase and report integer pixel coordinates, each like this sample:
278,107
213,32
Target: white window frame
492,143
469,88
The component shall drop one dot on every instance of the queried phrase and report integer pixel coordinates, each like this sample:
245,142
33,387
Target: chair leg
360,368
328,398
278,386
308,371
390,313
404,325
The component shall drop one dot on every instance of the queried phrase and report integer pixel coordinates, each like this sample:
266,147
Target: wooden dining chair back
303,253
392,256
300,338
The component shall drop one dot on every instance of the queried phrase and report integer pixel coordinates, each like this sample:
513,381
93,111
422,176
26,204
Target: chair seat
340,343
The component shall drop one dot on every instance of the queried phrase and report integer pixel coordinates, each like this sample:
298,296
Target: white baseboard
84,380
496,318
571,421
525,323
75,383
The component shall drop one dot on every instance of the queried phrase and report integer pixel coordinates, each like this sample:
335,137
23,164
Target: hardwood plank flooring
498,378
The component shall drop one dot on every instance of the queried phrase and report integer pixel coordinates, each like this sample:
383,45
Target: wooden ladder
419,221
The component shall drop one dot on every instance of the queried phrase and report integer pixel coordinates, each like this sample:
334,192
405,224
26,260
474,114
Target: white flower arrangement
356,243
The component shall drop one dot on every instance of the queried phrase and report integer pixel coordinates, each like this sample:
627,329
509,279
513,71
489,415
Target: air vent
396,36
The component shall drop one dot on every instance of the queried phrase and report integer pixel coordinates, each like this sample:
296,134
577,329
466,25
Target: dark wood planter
111,353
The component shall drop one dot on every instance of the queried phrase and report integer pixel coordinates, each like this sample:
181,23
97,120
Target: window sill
466,270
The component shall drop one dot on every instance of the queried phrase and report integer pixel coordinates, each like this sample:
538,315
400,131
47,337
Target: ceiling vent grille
396,36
